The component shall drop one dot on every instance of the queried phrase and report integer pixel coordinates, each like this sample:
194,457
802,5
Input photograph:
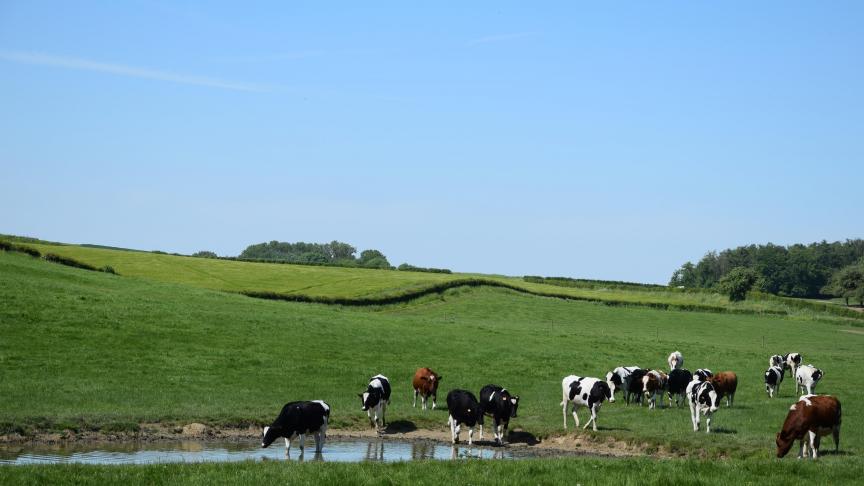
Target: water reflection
422,450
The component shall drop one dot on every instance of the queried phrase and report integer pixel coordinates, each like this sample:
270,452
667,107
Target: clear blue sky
576,139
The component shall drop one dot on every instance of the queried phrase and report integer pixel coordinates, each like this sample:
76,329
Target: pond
345,450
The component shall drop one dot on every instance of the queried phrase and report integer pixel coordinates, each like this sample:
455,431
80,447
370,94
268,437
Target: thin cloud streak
500,38
123,70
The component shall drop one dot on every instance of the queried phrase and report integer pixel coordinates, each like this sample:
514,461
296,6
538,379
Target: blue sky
575,139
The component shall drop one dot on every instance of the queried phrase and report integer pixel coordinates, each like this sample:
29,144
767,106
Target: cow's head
783,444
817,375
270,434
613,381
710,397
515,401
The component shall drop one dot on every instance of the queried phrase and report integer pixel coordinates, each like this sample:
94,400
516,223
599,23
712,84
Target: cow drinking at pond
374,401
583,392
703,399
773,378
806,378
464,409
299,418
426,384
808,420
501,405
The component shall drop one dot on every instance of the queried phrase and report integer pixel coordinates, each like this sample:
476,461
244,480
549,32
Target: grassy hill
359,285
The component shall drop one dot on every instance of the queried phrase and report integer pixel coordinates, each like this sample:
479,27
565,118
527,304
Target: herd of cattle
810,418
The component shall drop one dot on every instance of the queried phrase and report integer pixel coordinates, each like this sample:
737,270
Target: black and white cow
498,403
299,418
791,362
675,360
464,409
776,360
676,386
703,399
702,374
619,379
375,399
773,378
587,392
806,378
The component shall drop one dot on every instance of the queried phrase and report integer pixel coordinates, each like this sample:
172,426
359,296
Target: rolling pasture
88,350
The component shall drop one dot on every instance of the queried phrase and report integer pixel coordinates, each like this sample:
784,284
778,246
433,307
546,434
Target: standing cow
374,401
498,403
426,384
677,383
619,379
702,374
299,418
725,383
635,386
587,392
776,360
808,420
464,409
653,384
675,360
773,378
703,399
806,378
791,362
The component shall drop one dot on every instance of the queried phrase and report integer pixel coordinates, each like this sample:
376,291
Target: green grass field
84,349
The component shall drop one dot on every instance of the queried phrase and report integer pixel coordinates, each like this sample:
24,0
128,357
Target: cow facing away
619,379
676,385
702,374
653,384
776,360
501,405
811,417
426,384
635,387
806,378
374,401
703,399
299,418
587,392
725,384
464,409
773,378
791,362
675,360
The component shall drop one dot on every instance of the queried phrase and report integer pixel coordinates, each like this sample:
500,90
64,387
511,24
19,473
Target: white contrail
123,70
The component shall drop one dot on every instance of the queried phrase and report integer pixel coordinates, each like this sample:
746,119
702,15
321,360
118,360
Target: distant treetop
335,252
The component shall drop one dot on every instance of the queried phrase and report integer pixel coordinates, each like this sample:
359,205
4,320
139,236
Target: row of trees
334,253
799,270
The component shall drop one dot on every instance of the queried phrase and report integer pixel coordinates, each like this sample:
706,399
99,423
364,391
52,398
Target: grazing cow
773,378
806,378
776,360
588,392
426,385
499,404
635,386
619,379
812,416
675,360
654,383
791,362
702,374
677,384
299,418
375,399
725,383
464,409
702,398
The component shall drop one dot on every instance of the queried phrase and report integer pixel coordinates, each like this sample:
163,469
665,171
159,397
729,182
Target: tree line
333,253
813,271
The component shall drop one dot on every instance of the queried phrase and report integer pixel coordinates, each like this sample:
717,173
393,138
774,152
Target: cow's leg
415,398
815,439
694,417
423,400
593,419
452,428
708,422
287,445
302,442
836,434
802,448
318,441
369,415
564,412
434,400
575,417
470,434
500,427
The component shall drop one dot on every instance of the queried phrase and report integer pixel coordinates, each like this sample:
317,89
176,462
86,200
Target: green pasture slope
359,284
81,349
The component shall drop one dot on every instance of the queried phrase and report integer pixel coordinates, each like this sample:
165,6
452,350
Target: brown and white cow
654,384
811,417
426,384
725,383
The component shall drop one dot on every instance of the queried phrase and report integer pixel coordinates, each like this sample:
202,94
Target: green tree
205,254
737,283
848,283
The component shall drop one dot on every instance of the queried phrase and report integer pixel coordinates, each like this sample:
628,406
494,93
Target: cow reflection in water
375,450
468,453
422,450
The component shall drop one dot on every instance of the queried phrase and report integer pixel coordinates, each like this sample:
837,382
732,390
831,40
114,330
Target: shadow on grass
522,437
400,426
723,430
